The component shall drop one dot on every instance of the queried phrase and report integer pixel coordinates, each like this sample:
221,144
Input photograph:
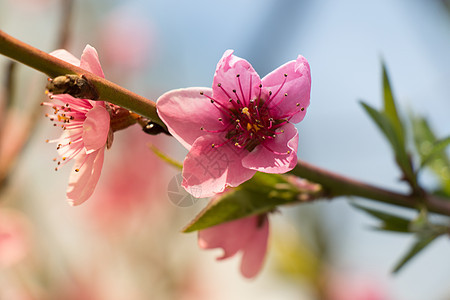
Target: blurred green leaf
419,245
437,150
394,137
261,194
389,222
432,151
390,110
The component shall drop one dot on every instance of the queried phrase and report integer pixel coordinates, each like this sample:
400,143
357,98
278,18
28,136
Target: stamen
240,87
276,93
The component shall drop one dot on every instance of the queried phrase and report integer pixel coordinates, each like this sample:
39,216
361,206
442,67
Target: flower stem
336,185
54,67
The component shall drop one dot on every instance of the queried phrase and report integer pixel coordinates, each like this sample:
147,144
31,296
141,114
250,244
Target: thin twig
336,185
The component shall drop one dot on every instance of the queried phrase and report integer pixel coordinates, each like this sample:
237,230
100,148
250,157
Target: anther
237,75
220,119
285,75
201,128
234,91
219,84
302,109
213,145
270,93
212,101
298,104
288,152
77,170
201,93
260,85
230,100
285,94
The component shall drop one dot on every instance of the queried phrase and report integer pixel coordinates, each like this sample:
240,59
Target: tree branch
336,185
54,67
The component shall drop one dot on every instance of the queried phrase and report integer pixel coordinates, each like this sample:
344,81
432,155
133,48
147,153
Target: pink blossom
242,125
126,39
248,235
86,126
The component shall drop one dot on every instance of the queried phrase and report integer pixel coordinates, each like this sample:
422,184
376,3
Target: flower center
253,125
251,122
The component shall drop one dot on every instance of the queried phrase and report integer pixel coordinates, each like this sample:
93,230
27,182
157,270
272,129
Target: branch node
74,85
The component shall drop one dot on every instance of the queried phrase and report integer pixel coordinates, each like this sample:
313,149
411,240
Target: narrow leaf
418,246
436,152
389,222
432,151
390,109
396,141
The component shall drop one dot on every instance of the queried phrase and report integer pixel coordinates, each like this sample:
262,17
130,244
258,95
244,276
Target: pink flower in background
240,126
352,286
86,126
128,190
126,39
14,237
248,235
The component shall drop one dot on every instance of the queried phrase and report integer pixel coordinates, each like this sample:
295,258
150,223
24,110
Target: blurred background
125,242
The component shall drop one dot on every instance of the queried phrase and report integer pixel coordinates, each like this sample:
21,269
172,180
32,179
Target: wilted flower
248,235
86,126
240,126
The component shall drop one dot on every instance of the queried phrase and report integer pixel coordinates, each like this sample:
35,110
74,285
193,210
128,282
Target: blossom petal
82,184
263,158
66,56
185,112
91,62
95,128
235,73
208,170
230,236
290,94
256,247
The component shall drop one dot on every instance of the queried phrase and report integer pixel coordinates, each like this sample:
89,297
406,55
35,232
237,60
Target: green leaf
390,110
395,139
432,151
438,150
389,222
418,246
261,194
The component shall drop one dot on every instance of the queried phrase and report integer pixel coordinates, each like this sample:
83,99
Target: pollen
245,111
